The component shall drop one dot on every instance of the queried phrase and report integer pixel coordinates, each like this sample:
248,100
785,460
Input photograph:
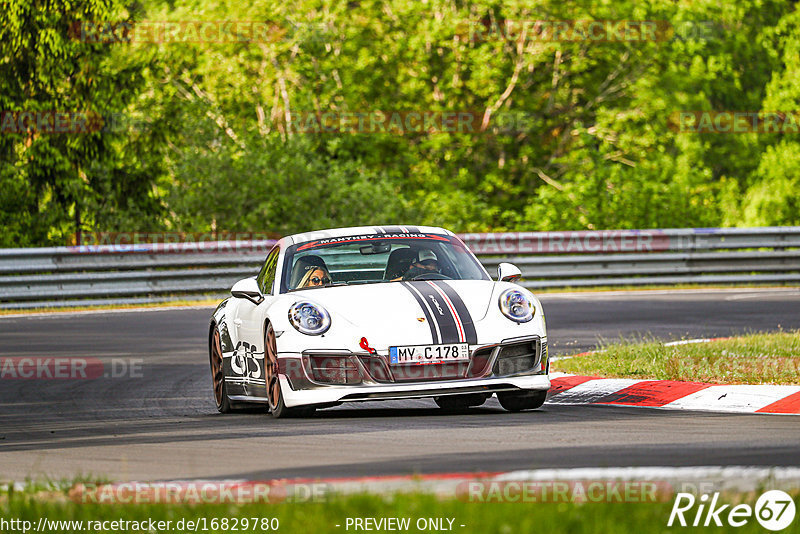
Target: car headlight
516,305
309,318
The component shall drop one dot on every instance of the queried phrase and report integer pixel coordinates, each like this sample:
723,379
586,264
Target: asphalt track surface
161,423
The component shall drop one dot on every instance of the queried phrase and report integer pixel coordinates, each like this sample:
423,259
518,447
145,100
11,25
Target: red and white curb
674,395
671,394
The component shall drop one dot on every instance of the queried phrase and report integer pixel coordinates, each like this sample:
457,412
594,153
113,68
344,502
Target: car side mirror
248,289
508,272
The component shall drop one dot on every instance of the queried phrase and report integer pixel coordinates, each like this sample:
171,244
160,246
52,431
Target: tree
57,182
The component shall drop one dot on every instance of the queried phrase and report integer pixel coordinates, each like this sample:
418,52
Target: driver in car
426,263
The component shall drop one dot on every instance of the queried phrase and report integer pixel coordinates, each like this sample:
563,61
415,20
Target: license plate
419,354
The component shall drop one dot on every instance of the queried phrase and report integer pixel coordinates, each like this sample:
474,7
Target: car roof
364,230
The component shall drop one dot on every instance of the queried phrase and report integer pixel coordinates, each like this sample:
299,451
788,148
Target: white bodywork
386,314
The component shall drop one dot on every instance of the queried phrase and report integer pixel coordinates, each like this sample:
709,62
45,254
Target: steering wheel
432,276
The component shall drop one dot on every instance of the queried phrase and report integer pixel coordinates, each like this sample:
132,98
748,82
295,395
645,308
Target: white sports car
374,313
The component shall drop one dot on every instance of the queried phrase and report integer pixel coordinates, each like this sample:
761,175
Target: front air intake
332,369
480,362
517,358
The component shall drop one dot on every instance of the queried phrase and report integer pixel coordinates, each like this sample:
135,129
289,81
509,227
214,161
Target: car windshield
378,258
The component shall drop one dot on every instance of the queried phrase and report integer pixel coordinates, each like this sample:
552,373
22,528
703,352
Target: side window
266,277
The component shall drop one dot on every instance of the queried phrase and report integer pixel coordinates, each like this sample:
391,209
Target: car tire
517,402
277,406
219,388
460,402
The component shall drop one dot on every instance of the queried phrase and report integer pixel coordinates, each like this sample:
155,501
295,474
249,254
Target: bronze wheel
271,370
218,374
274,394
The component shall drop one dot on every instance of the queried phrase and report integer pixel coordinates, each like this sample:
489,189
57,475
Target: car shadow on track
259,424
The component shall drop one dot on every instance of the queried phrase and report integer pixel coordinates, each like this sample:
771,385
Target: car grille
512,359
422,373
516,358
376,367
332,369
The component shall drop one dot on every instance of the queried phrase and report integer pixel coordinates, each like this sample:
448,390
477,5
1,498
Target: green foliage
773,195
55,184
282,186
774,199
214,144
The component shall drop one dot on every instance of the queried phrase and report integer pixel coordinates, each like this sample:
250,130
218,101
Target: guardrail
64,276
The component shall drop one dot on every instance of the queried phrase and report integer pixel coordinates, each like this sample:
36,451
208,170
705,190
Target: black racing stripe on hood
393,229
462,311
441,312
434,337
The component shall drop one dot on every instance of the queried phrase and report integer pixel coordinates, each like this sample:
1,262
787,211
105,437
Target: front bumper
335,394
498,370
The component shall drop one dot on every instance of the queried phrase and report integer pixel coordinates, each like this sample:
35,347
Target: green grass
318,517
759,358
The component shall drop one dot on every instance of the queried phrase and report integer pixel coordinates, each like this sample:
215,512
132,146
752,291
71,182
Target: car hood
407,313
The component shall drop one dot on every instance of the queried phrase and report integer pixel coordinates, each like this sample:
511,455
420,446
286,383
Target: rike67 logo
774,510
